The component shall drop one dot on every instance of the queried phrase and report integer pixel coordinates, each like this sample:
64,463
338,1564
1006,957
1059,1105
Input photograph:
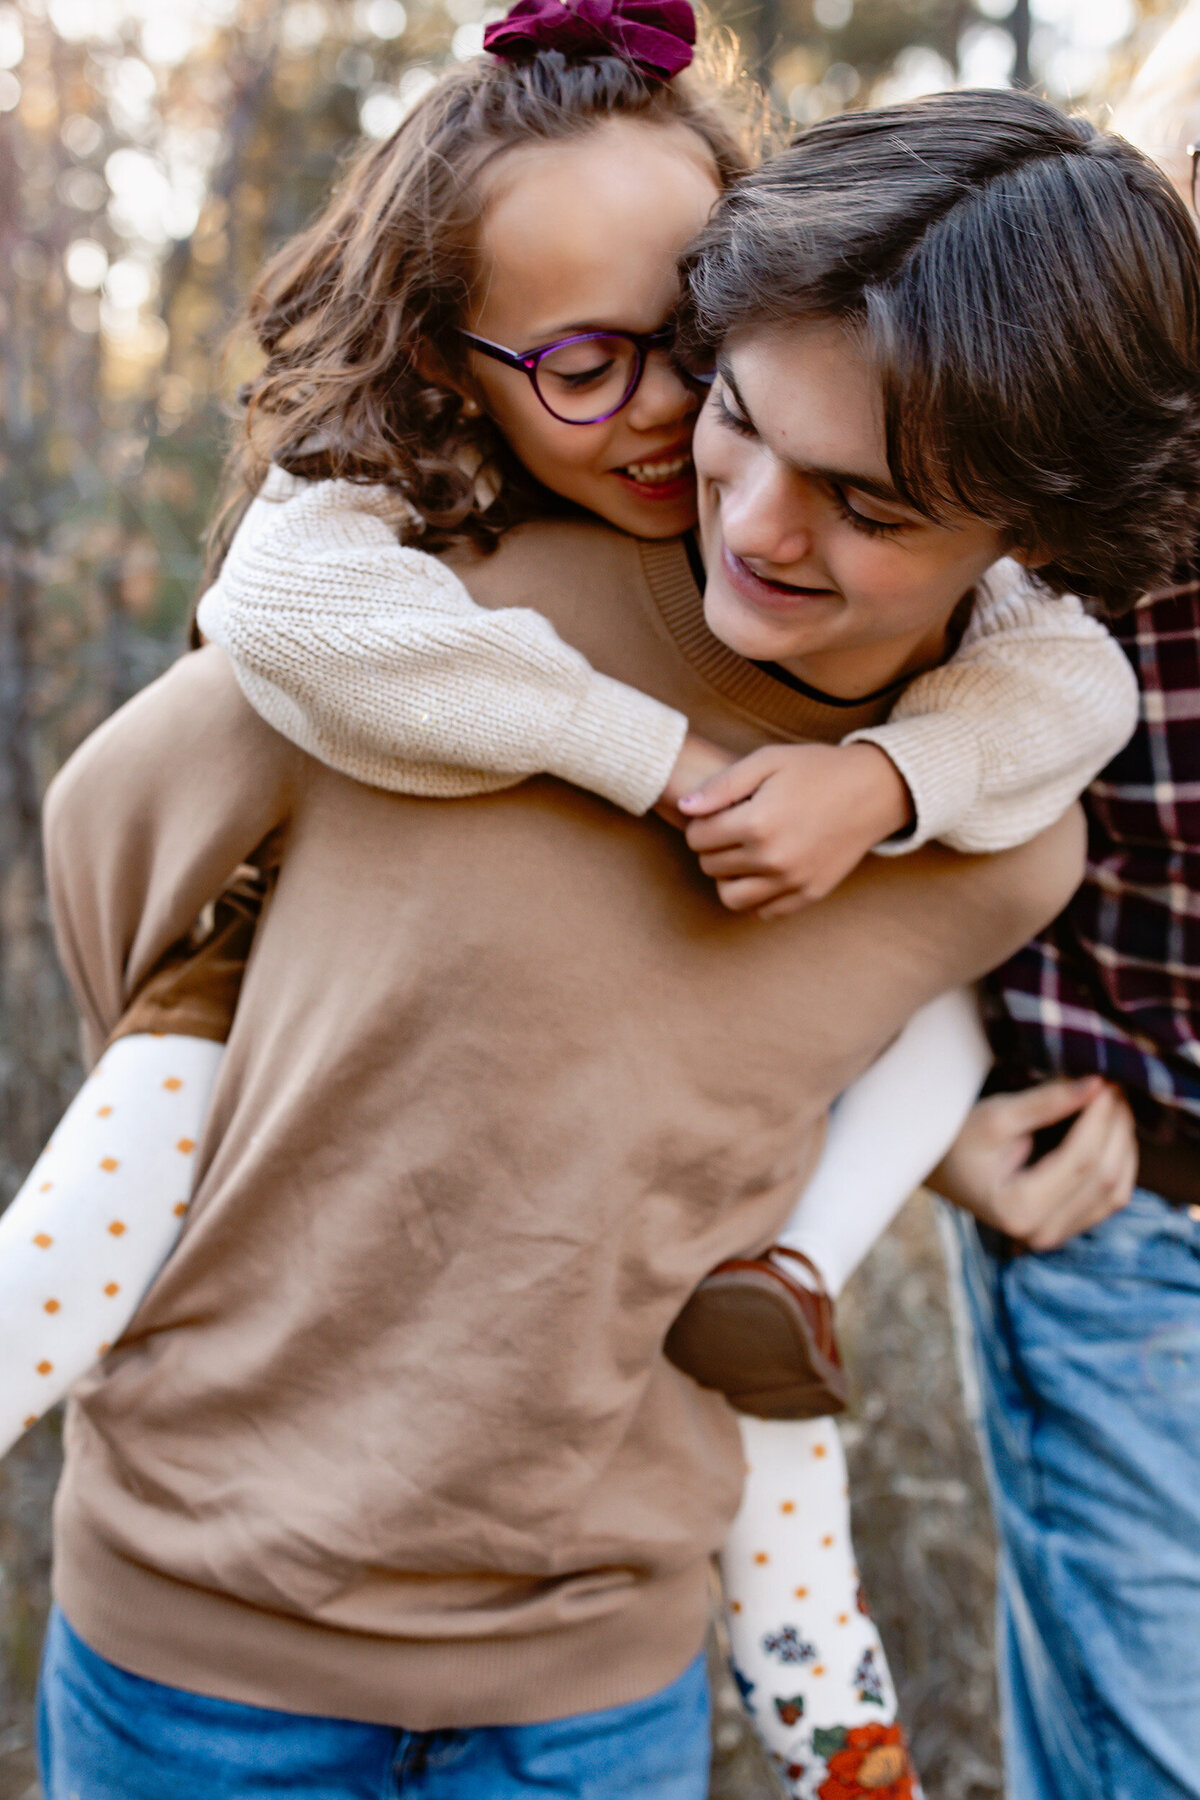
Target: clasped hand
1076,1186
784,825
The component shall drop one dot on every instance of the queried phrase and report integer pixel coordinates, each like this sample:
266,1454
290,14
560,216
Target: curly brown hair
356,318
1028,287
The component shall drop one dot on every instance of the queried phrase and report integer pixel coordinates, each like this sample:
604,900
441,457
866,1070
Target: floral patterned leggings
806,1654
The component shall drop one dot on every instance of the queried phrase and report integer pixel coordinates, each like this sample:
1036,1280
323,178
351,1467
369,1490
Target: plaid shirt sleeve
1113,986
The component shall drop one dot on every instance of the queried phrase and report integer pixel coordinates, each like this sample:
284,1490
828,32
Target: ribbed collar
793,712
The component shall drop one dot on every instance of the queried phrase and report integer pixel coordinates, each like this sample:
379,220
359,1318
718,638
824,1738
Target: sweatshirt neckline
778,699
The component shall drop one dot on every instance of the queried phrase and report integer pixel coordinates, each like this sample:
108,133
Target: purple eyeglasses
585,379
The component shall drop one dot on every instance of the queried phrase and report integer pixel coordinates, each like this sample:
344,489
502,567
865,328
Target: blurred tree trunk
41,350
1021,24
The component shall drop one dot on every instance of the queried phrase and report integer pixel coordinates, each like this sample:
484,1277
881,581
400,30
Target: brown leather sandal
764,1339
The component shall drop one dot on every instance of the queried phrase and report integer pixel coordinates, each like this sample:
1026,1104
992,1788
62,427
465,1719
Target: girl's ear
1037,558
431,368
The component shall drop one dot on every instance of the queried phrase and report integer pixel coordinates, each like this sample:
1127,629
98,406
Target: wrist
698,760
887,804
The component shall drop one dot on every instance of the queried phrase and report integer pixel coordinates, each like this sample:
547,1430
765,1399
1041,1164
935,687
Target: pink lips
767,596
680,487
662,491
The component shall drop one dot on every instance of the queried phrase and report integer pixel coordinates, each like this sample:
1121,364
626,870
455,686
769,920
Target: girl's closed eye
583,378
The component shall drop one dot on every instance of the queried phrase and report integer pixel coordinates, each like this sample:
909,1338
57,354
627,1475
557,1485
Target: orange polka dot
172,1084
52,1306
109,1164
43,1240
800,1593
820,1450
45,1187
104,1112
787,1506
180,1208
827,1540
843,1618
186,1145
117,1228
112,1288
761,1557
818,1668
45,1368
735,1606
105,1348
31,1420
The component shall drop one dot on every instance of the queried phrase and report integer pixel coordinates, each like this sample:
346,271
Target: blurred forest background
151,153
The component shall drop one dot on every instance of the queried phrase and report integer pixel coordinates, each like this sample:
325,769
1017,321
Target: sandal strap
805,1262
818,1294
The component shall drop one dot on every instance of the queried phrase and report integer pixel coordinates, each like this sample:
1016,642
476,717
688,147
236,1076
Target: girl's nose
663,397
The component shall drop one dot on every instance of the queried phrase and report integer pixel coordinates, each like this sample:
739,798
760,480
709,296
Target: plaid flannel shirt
1113,986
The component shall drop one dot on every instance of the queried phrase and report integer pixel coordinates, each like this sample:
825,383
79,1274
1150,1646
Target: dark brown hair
1029,289
356,317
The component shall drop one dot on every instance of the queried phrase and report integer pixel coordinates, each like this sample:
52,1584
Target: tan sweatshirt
392,1437
374,658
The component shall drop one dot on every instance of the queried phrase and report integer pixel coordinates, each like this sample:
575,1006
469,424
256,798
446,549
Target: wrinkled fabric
1112,987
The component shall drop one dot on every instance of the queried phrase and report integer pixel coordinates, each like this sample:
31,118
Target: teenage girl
371,655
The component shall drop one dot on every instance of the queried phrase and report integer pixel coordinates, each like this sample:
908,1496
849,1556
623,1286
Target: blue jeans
106,1735
1088,1363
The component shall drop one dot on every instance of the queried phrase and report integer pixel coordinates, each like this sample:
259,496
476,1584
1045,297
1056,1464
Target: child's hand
786,824
1089,1176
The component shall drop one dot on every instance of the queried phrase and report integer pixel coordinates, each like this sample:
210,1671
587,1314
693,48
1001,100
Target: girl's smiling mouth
667,475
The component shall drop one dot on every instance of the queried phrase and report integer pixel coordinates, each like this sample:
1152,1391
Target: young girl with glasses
431,420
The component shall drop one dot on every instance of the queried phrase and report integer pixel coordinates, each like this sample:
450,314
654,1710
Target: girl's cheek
580,446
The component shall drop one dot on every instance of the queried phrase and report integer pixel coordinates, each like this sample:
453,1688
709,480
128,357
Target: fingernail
688,800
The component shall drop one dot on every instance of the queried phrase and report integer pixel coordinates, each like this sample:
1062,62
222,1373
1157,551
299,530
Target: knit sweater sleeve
374,658
999,740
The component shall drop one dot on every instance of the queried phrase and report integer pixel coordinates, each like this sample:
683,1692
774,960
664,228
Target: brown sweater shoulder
212,784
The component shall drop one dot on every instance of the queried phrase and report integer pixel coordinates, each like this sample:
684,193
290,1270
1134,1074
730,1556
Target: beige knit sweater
392,1436
374,658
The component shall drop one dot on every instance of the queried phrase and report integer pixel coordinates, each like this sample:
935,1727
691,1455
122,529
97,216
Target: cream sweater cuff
939,757
618,743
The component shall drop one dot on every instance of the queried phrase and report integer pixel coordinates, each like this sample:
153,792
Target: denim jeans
1088,1366
104,1734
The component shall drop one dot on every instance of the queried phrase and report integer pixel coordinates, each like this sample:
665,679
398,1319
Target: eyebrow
849,478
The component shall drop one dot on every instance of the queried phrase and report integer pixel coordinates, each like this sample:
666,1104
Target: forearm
374,658
998,741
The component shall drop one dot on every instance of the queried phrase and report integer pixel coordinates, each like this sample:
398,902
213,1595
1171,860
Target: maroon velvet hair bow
656,36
